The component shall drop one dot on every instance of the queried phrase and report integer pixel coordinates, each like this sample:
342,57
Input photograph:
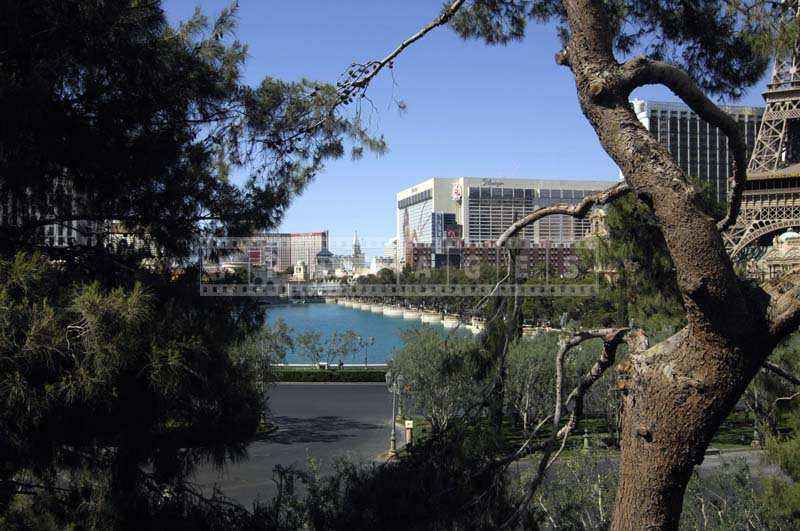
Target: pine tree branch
374,67
360,75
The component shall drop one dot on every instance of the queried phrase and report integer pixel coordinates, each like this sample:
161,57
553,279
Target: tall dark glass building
700,149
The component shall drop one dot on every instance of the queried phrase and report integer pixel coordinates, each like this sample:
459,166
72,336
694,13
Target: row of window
528,194
700,149
416,198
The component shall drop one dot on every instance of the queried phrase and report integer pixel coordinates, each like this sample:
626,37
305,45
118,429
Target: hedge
331,375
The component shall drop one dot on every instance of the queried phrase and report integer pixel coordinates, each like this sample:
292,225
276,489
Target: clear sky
473,110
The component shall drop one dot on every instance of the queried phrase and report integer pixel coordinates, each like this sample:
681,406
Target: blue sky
473,110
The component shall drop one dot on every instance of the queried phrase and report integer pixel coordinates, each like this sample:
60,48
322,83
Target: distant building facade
782,258
352,264
380,262
701,150
532,258
270,252
283,250
391,250
445,213
63,202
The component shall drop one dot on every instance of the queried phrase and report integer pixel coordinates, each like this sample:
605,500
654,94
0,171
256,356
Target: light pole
366,343
399,389
391,381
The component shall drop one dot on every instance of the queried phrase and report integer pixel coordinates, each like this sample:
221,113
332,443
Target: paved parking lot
322,421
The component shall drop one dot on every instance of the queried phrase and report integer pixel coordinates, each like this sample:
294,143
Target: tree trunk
677,393
668,421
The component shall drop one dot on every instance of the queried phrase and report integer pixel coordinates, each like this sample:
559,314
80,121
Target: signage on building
254,255
456,194
492,182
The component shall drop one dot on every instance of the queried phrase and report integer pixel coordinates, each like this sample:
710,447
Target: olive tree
530,378
437,374
312,347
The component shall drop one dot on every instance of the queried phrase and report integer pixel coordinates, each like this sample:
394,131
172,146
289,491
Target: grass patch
735,433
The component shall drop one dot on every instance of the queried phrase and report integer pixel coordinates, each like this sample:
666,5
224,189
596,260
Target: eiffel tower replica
771,198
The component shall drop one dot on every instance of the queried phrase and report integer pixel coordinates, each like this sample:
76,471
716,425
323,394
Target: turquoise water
328,318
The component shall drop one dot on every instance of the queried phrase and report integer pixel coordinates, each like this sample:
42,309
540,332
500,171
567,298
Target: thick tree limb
641,71
783,311
705,274
680,390
577,211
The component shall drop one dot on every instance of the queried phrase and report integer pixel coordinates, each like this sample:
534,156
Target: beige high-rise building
480,209
288,248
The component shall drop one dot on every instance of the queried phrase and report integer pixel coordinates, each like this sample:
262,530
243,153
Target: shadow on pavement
324,429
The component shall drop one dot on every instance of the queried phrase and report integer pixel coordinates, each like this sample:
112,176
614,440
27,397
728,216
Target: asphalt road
754,459
322,421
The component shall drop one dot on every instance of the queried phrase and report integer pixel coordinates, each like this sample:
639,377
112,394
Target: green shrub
331,375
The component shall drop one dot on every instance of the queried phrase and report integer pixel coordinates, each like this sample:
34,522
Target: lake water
328,318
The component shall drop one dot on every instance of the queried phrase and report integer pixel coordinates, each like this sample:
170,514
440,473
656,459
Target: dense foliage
725,46
438,374
96,389
111,114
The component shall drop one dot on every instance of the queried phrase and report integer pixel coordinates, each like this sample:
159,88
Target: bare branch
783,373
784,399
577,211
611,340
544,461
641,71
526,448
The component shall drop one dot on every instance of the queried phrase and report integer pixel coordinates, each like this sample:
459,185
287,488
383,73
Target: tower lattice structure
771,198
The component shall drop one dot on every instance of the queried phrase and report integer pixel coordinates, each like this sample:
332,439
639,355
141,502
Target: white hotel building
480,209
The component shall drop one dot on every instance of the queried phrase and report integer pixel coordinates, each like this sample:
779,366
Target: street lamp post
391,381
366,343
399,392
